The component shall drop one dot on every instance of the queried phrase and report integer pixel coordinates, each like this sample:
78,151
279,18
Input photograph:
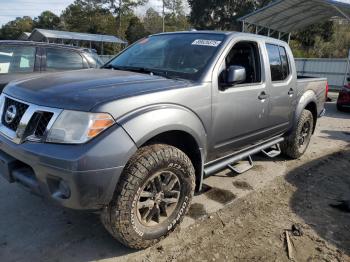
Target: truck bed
316,84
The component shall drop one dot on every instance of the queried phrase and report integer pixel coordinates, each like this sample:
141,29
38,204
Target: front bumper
75,176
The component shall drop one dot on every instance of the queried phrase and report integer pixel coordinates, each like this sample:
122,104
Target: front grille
21,108
37,125
33,127
42,124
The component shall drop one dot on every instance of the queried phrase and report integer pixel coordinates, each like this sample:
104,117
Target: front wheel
297,143
152,197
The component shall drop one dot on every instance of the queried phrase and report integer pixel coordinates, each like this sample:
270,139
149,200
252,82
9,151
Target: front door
239,112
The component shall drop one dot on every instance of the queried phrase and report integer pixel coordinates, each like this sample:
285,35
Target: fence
335,70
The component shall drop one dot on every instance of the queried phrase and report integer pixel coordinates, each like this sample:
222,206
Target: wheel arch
308,101
173,125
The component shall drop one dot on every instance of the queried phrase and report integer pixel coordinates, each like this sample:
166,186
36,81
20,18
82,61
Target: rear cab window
279,63
17,59
61,59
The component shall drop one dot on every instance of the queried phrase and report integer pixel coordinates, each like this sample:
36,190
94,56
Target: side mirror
235,75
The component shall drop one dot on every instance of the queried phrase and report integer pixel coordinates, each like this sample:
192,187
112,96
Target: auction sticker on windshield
204,42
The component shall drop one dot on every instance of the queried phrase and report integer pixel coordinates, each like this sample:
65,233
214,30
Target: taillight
327,89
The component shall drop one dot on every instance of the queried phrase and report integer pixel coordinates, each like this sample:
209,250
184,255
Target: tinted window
17,59
275,62
177,55
57,59
285,63
246,54
279,64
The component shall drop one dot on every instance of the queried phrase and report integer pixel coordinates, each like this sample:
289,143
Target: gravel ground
238,218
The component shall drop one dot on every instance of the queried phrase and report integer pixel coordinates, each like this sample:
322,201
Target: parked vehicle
20,59
135,139
343,103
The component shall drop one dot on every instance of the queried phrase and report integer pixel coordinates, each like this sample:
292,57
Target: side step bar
273,152
227,162
241,168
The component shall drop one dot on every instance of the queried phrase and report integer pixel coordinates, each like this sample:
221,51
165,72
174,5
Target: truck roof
226,33
32,43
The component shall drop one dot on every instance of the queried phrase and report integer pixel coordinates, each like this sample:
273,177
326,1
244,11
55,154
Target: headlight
73,127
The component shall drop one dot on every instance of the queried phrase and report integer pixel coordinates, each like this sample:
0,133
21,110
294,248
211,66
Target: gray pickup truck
133,141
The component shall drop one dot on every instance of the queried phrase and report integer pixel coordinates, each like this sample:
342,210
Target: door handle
263,96
291,92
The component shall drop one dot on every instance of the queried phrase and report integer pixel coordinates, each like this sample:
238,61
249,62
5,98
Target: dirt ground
238,218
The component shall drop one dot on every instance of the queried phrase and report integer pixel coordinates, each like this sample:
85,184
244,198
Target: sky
10,9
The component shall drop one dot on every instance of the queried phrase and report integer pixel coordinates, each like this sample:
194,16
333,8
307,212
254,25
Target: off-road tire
120,217
291,147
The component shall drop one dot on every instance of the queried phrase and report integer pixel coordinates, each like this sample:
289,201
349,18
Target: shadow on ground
33,229
319,184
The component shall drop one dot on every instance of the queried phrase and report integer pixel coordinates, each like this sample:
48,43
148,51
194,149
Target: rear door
17,62
282,91
60,59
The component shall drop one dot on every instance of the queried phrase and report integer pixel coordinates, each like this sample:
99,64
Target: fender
147,122
308,97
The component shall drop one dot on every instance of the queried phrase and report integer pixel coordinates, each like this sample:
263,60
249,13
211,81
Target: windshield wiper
142,70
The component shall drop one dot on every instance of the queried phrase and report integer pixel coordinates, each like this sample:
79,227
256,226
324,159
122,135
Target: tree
121,8
135,30
88,16
307,37
152,21
47,20
219,14
176,7
13,29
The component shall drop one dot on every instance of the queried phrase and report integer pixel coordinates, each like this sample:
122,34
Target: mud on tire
127,218
298,141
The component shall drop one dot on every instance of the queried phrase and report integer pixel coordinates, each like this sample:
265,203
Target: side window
279,65
17,59
247,55
285,63
60,59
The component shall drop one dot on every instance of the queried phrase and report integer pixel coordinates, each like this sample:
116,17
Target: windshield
176,55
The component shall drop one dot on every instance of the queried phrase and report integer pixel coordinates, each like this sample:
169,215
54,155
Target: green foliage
13,29
334,43
135,30
176,7
47,20
308,36
152,21
219,14
116,17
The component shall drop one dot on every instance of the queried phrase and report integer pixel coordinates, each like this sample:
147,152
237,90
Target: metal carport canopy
292,15
41,35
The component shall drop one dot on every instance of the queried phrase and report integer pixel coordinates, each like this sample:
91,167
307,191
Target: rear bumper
75,176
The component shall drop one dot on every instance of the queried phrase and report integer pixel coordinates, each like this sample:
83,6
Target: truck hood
84,89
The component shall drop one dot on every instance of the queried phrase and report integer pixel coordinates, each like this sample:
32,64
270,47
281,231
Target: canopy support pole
340,11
